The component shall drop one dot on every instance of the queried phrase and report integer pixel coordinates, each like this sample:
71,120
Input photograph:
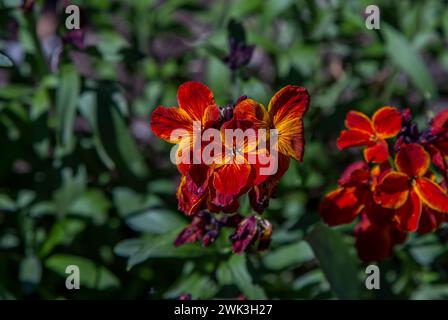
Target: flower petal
353,138
413,160
230,181
377,153
387,122
440,122
286,109
190,199
358,173
194,98
359,121
165,122
378,214
340,206
432,194
260,194
251,111
373,242
430,220
408,215
392,191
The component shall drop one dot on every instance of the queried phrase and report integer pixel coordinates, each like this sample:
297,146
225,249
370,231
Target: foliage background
84,181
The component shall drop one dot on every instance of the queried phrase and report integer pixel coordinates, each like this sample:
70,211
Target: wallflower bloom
253,162
391,199
408,188
385,124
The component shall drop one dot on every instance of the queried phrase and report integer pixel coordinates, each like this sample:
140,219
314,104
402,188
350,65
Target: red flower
385,124
408,189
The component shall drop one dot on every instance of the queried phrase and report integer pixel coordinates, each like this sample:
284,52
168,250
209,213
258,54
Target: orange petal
392,191
194,98
387,122
353,138
431,194
377,153
251,111
359,121
286,109
232,179
167,121
340,206
408,215
413,160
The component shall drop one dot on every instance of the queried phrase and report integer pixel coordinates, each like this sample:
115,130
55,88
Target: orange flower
385,124
408,189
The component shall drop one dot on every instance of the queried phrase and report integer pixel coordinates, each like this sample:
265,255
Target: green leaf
92,276
199,286
242,279
116,138
30,272
338,264
5,61
66,101
6,203
139,250
289,255
408,60
62,233
156,221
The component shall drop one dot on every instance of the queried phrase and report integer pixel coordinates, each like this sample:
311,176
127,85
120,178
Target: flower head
385,124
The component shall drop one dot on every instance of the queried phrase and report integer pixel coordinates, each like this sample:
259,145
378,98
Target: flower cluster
216,186
394,194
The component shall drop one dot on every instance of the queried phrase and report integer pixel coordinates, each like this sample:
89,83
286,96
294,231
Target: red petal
190,198
432,194
230,181
286,110
340,206
260,194
430,220
194,98
293,98
359,121
413,160
164,121
353,138
357,173
373,242
377,153
392,191
408,215
387,122
440,122
378,214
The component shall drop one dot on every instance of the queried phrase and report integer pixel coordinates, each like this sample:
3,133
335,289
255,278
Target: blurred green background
84,181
